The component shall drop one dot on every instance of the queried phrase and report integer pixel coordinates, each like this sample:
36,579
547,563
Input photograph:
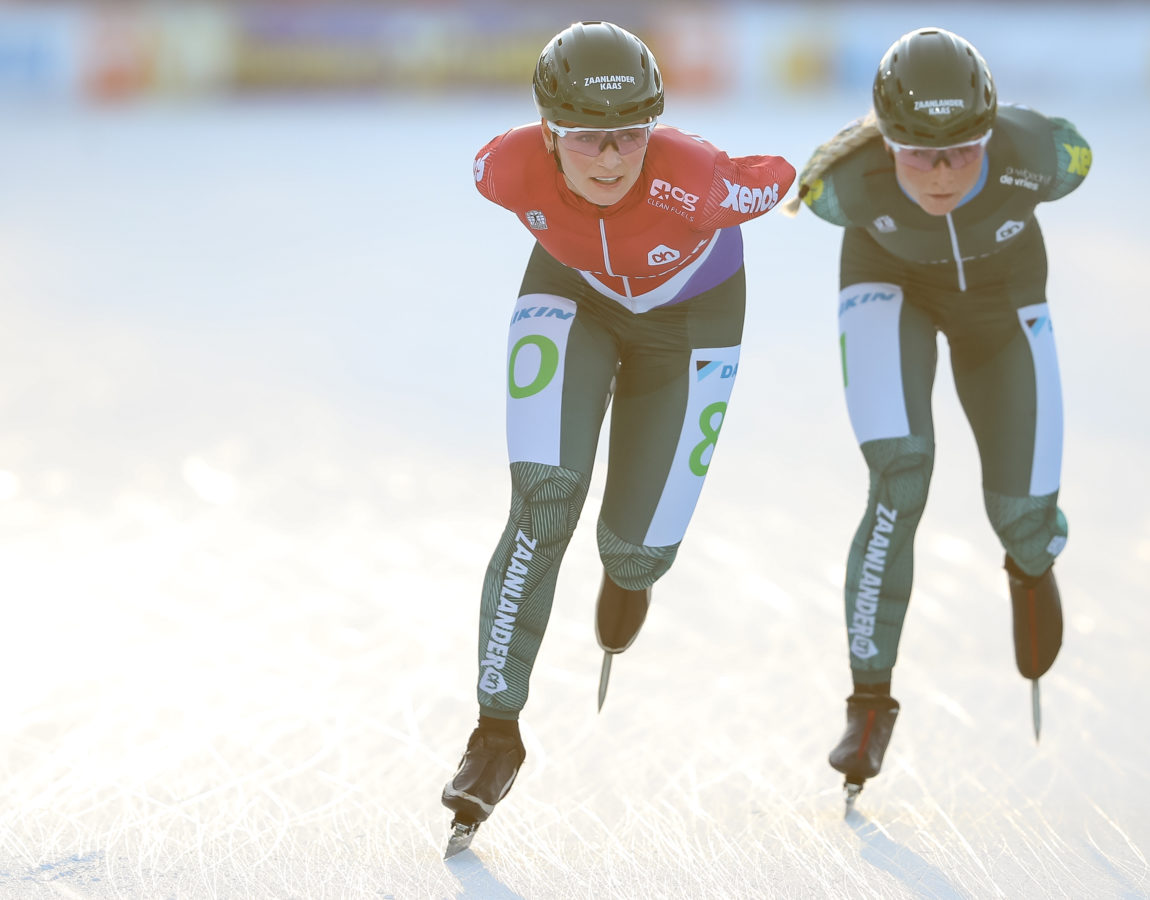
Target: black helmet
933,88
597,74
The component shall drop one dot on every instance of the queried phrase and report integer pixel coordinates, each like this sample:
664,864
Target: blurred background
109,52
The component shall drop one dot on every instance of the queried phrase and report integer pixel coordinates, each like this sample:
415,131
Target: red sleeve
485,168
743,188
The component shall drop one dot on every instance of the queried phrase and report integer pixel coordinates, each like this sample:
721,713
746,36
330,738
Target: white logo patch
662,255
885,224
863,647
492,682
1008,229
536,220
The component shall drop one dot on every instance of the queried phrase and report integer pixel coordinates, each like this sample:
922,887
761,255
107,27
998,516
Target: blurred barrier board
52,51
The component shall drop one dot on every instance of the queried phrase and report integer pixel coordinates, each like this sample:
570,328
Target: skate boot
870,721
1037,612
486,773
619,614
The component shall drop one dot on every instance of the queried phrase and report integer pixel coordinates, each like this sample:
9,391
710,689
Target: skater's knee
900,472
549,497
633,566
1032,530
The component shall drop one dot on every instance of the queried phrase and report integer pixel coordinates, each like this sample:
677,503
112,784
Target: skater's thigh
674,384
1013,401
888,342
560,363
889,356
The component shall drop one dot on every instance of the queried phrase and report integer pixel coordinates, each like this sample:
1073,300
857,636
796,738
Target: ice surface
251,471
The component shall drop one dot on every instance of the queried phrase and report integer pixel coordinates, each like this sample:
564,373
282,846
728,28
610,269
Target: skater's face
938,178
601,166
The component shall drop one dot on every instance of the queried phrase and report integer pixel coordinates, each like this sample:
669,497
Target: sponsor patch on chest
662,255
1023,178
1008,229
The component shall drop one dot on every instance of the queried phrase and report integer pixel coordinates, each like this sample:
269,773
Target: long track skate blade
851,793
1036,708
460,840
604,677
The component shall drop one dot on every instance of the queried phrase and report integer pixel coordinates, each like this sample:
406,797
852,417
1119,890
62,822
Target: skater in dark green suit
936,190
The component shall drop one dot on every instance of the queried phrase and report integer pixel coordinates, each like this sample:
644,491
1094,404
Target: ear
548,136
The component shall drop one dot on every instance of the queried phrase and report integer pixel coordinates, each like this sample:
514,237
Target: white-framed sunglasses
593,141
926,158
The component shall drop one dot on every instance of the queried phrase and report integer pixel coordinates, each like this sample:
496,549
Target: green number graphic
548,366
710,436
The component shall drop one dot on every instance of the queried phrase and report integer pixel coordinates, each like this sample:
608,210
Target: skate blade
851,792
1036,708
460,839
604,676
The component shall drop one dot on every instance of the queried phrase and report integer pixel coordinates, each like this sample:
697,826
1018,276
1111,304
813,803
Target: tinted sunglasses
926,158
593,141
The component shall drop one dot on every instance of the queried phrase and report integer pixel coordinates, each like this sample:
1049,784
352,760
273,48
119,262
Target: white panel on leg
1046,468
711,378
536,354
869,315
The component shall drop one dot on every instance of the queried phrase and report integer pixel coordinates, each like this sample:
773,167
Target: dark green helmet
932,89
597,74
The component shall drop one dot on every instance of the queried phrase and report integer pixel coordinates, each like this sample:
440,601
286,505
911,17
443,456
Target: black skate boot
1037,612
619,614
486,773
870,721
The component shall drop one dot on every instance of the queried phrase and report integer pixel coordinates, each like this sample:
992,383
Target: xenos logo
662,255
750,200
664,190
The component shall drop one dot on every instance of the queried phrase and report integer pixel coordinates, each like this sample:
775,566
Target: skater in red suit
635,290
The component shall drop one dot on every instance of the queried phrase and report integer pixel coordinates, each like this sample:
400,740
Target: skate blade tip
1036,708
604,678
459,841
453,849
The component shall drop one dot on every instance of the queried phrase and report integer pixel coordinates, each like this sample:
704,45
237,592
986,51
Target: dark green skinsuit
978,275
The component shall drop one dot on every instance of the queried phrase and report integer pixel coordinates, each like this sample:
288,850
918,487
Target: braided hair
826,154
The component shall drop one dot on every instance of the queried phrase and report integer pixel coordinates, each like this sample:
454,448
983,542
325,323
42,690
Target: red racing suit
639,304
652,248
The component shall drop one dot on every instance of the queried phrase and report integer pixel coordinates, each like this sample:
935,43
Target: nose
609,151
942,167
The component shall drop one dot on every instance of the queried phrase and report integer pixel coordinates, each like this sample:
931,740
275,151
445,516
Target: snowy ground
251,471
